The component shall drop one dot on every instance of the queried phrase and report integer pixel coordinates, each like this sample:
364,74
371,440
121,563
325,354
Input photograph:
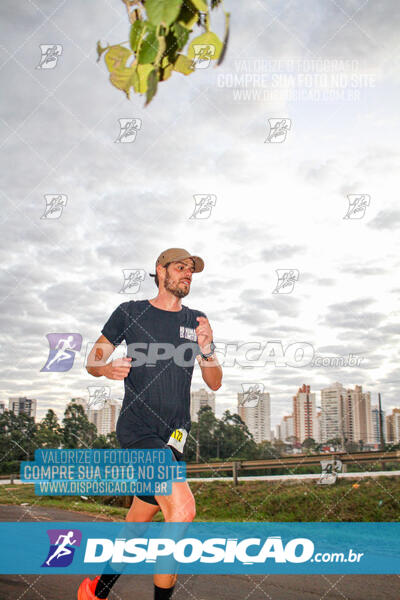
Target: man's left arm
210,368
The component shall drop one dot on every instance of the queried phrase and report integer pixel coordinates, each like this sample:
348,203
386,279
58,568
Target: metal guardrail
290,462
281,462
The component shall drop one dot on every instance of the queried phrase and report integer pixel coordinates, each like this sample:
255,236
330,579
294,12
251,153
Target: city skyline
317,421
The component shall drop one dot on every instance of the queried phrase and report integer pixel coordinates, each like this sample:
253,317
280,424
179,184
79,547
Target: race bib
178,439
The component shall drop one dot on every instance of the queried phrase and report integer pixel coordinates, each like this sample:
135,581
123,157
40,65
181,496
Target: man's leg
178,507
139,512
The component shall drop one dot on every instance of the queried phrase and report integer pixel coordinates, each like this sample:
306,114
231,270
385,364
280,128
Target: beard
175,288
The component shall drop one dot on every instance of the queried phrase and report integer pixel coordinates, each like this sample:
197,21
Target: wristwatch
209,354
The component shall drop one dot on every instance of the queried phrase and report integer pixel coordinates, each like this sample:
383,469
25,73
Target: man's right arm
97,361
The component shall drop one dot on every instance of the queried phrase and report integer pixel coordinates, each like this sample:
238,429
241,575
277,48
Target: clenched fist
118,368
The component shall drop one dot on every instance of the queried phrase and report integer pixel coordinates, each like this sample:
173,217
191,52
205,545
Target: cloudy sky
330,67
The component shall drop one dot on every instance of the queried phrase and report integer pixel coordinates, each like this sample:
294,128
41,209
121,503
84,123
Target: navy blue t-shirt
163,346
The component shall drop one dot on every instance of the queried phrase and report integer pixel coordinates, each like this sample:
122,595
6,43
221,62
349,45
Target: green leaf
166,69
210,46
120,75
116,57
136,33
201,5
122,79
139,79
181,35
163,11
183,65
152,82
100,50
148,49
162,45
188,16
226,38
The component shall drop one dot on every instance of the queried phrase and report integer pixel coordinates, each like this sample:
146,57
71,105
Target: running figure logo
50,55
204,204
132,280
329,472
278,129
357,206
99,396
251,394
203,54
286,280
62,547
62,351
128,130
55,203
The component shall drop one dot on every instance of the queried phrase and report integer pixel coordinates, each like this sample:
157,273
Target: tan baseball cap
175,254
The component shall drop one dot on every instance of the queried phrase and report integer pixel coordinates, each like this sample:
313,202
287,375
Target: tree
49,433
309,444
159,33
78,432
17,439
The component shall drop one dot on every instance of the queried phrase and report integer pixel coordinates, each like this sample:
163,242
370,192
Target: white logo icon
54,206
204,204
357,205
286,280
128,129
278,129
50,55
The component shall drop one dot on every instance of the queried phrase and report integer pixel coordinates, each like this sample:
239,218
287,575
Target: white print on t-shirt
188,333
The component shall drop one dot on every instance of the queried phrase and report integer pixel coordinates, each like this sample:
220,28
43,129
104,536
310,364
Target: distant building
257,418
304,414
393,426
198,399
376,429
318,427
2,407
286,428
332,412
358,416
105,418
22,405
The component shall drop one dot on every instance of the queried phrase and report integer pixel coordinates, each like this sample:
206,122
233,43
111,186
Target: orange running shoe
87,588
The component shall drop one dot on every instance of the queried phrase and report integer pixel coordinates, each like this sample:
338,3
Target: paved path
192,587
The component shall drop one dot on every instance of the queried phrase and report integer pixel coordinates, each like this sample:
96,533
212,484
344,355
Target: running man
61,549
156,408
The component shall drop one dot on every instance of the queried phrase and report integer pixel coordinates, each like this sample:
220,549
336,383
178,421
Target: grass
376,499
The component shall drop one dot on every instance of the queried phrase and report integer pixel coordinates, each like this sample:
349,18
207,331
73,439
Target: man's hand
204,334
117,369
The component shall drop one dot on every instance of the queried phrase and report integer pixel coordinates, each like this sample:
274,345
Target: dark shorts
154,442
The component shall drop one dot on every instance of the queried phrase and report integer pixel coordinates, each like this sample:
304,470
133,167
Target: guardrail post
235,469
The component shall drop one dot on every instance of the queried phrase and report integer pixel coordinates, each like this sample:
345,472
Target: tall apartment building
318,427
376,429
332,412
286,428
257,418
22,405
357,416
198,399
393,426
105,418
304,414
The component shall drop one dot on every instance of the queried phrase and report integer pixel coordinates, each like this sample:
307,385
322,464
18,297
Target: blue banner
111,472
218,548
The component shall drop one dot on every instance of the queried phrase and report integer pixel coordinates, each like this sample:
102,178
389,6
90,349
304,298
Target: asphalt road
192,587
